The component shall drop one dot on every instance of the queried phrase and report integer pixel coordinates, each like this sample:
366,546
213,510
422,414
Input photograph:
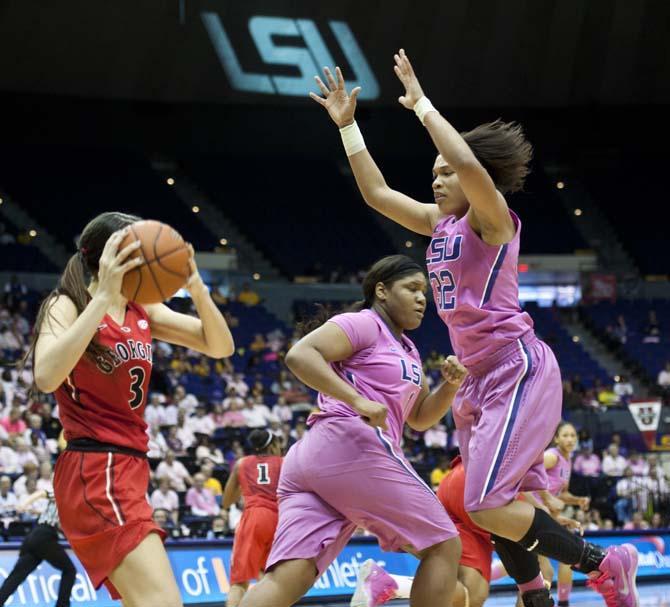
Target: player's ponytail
73,283
504,151
387,271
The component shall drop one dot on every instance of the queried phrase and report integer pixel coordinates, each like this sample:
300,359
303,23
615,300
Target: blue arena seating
65,187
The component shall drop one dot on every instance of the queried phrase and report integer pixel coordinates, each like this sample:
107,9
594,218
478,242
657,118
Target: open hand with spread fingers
341,105
405,72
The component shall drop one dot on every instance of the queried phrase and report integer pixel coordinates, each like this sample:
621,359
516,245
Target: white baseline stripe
108,474
488,280
509,415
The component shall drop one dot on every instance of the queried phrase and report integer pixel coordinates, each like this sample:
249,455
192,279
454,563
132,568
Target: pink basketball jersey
382,369
558,477
476,289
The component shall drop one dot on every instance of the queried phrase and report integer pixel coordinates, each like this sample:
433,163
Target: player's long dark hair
80,268
504,152
387,271
260,441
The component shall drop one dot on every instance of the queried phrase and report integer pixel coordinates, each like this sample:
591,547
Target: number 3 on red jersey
137,375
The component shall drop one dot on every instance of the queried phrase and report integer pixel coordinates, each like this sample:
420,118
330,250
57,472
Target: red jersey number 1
263,476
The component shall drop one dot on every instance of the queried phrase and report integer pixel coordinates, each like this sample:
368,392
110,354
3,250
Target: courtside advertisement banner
202,571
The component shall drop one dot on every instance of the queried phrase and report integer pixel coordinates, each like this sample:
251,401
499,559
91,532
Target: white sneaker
374,586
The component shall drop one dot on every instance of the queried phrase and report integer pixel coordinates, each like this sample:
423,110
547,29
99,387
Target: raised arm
431,407
309,361
64,335
488,213
208,333
341,106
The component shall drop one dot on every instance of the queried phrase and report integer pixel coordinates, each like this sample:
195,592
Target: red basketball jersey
105,399
259,476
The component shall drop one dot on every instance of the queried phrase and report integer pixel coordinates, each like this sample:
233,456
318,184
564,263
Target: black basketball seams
168,270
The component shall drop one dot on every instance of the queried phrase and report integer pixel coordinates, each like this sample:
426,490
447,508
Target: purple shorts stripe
509,424
389,447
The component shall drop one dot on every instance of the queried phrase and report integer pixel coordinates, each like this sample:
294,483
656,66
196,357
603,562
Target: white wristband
422,107
352,138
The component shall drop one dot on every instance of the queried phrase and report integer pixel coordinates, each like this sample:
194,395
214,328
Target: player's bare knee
478,595
450,550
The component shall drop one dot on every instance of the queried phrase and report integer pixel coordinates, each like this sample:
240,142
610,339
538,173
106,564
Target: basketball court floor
651,595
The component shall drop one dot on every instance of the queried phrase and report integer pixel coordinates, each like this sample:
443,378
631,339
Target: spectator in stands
184,432
166,498
652,331
657,521
220,527
436,437
652,460
35,428
571,399
663,379
439,472
234,418
232,396
174,443
30,470
207,452
9,460
164,521
200,500
614,464
607,397
256,415
175,471
637,522
157,443
623,389
154,413
45,480
13,424
248,296
657,491
8,501
626,488
23,452
620,330
258,344
184,401
585,440
276,340
201,423
587,463
212,483
615,439
638,464
282,411
239,384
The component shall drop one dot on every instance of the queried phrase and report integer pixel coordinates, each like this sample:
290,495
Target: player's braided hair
387,271
260,440
74,281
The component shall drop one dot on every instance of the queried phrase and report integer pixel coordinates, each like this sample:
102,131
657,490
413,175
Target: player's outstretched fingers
322,87
331,81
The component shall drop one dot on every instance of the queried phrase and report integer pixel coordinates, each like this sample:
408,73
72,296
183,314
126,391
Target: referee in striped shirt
41,544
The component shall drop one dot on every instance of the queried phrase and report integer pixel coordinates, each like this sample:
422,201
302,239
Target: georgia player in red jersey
255,477
92,348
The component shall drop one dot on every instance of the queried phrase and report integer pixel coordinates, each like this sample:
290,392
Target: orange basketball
165,269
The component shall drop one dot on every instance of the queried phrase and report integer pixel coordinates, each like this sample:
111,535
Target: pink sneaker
374,586
616,580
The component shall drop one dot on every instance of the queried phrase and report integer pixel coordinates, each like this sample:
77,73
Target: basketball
165,269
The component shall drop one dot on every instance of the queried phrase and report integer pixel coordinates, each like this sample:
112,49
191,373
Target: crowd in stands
200,412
